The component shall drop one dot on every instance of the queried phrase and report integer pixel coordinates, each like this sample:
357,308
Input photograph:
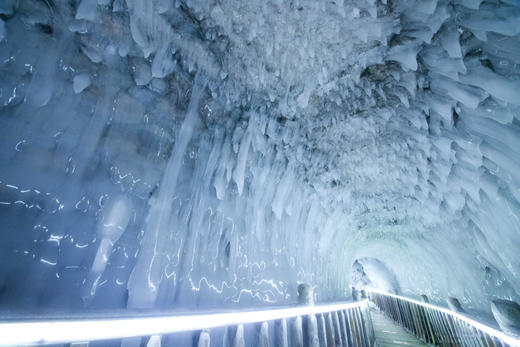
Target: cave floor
388,333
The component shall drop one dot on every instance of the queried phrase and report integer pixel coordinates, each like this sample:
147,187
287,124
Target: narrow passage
389,333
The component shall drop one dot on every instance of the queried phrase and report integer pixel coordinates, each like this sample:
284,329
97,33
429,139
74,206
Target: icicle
240,168
143,287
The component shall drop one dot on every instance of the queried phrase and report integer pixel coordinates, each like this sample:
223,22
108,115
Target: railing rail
346,323
438,326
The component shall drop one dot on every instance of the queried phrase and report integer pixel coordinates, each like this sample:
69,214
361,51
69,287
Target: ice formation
194,153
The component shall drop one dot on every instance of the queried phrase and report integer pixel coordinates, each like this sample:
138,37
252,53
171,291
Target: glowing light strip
83,330
482,327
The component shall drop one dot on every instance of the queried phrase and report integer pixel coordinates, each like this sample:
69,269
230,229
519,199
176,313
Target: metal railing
438,326
340,324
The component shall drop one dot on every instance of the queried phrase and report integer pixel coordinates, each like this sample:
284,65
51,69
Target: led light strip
83,330
484,328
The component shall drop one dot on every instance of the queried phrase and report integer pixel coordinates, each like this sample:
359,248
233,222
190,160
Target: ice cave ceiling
186,153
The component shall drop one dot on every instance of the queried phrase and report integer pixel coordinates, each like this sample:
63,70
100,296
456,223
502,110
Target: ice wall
217,153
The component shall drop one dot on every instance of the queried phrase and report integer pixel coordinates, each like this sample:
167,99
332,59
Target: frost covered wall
217,153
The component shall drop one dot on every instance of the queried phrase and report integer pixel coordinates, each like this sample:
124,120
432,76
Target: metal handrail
437,325
347,322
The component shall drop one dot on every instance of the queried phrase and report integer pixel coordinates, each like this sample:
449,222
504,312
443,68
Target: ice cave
217,154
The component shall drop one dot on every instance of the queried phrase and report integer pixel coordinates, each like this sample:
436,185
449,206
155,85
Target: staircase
435,325
388,333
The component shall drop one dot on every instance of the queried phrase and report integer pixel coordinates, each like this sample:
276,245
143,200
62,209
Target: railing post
296,332
351,328
357,328
154,341
440,325
418,321
312,331
322,330
237,336
330,330
309,326
204,339
344,327
362,323
281,333
451,329
337,329
452,332
424,321
263,335
428,325
369,326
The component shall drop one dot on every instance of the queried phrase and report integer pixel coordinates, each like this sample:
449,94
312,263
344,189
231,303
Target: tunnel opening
368,272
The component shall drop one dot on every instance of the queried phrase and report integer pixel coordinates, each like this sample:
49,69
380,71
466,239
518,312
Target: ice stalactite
111,227
146,276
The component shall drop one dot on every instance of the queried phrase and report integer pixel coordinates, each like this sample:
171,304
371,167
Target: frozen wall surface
195,153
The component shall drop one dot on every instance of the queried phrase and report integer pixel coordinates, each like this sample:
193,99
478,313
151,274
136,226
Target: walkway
388,333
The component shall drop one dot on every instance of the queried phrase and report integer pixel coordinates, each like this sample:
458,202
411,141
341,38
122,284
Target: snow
248,147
